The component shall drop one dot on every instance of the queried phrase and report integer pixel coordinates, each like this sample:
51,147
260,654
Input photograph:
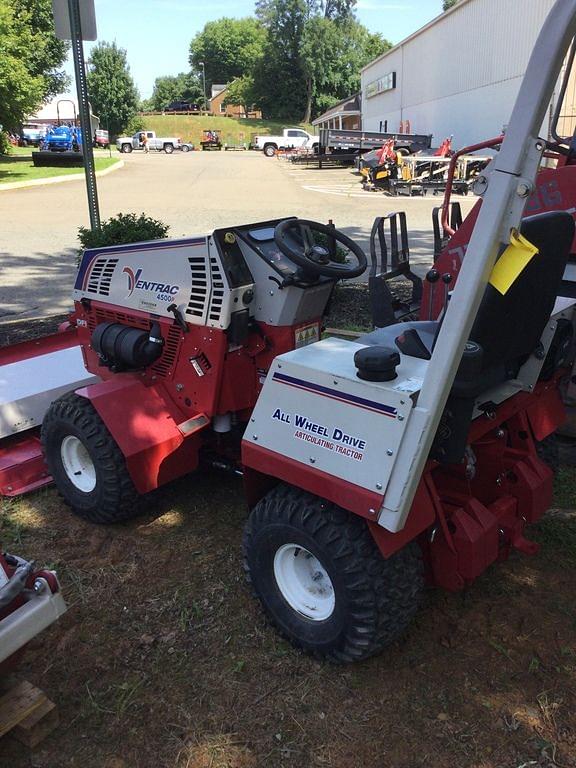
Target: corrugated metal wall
460,75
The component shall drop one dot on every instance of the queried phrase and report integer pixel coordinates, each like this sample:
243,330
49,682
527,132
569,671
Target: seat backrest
508,326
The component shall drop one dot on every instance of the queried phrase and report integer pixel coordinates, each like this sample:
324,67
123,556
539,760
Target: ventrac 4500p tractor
371,467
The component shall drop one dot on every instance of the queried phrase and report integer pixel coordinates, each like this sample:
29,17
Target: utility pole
204,85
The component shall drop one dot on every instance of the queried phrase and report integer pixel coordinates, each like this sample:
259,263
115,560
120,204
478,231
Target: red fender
158,442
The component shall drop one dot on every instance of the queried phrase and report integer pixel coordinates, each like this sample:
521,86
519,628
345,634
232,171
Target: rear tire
185,149
269,150
322,580
168,148
86,463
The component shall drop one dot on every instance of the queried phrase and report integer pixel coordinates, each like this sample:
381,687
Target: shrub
136,124
4,143
123,228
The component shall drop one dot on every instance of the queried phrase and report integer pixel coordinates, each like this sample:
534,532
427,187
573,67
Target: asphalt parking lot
194,193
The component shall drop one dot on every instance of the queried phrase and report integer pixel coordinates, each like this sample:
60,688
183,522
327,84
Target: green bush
123,228
4,143
137,123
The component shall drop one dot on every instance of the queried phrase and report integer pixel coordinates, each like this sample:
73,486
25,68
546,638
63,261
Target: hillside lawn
232,130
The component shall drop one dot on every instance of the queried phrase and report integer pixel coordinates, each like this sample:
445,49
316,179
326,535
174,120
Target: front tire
86,463
185,149
126,148
322,580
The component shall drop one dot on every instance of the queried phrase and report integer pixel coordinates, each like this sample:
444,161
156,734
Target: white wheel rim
77,463
304,582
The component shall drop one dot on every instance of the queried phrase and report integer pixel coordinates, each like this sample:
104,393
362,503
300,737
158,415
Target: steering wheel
319,254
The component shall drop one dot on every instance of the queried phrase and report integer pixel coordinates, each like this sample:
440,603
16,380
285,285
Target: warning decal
306,334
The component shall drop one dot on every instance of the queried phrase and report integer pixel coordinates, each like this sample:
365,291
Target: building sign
383,84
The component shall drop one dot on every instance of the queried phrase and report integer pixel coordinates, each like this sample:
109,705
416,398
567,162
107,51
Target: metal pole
204,87
84,110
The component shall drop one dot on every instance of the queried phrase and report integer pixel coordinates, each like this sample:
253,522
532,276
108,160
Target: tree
112,92
29,57
182,87
241,93
47,53
332,53
447,4
279,80
229,48
21,91
313,56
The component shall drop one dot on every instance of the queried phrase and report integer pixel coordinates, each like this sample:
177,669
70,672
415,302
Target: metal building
457,76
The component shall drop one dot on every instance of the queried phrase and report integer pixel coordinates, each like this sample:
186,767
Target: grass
18,166
565,487
233,130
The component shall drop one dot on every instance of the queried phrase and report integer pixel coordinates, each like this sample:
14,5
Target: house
346,114
459,75
217,106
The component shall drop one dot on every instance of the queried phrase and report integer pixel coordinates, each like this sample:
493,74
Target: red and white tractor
372,467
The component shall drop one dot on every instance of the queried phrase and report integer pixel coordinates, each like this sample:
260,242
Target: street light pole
204,85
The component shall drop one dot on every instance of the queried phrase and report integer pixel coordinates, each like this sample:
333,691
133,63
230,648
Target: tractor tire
168,148
269,150
86,463
341,600
126,148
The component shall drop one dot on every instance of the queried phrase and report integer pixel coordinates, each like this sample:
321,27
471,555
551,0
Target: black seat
508,327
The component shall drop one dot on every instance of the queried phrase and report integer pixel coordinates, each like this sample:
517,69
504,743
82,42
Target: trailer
336,140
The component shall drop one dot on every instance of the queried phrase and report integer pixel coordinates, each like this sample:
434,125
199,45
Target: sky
157,33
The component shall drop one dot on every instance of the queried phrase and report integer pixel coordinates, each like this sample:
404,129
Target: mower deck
32,375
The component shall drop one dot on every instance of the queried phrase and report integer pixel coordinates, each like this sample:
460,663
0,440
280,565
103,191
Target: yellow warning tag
512,262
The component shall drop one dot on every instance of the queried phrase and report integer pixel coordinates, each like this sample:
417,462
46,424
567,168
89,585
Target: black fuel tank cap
376,363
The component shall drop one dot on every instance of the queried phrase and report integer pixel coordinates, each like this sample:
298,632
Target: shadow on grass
9,165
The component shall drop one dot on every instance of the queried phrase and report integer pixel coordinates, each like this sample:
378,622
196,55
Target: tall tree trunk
309,94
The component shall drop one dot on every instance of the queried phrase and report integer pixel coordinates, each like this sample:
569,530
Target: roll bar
490,144
505,190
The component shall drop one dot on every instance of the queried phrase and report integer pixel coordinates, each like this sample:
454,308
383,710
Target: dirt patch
164,660
350,304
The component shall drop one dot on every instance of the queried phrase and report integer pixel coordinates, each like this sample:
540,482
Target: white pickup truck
128,143
291,138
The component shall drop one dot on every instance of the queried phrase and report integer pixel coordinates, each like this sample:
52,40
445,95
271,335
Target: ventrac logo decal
163,291
132,278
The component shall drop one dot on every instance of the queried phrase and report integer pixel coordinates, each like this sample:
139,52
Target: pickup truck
291,138
128,143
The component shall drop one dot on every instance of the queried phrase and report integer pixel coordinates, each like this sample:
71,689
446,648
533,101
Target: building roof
66,107
455,8
218,88
351,105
